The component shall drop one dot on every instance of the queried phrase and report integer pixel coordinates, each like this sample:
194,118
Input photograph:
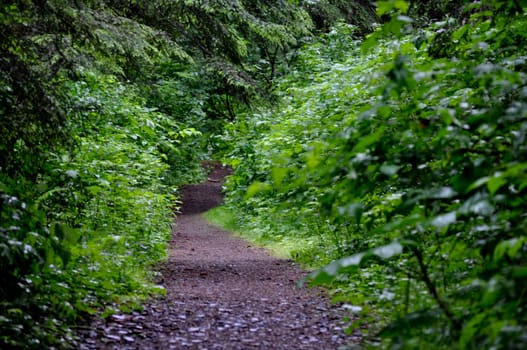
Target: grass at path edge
279,247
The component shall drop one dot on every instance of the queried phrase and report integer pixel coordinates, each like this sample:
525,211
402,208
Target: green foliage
410,167
88,170
107,106
98,217
326,13
30,275
238,44
283,246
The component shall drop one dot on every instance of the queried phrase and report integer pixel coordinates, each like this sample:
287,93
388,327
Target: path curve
224,293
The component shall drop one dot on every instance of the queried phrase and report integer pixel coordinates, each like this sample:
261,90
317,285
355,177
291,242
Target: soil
224,293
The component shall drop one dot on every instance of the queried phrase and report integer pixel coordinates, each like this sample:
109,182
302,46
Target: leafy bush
411,167
35,294
88,231
105,108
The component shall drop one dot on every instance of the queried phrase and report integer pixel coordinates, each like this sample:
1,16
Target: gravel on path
224,293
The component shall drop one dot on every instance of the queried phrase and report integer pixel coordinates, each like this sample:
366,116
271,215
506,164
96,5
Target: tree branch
433,290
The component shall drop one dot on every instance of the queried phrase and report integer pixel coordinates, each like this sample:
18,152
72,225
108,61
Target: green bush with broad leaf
88,231
106,107
404,154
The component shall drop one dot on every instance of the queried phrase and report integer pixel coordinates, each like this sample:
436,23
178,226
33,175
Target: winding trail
224,293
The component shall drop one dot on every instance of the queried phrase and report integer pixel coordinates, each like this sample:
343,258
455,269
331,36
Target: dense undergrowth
106,107
89,228
399,162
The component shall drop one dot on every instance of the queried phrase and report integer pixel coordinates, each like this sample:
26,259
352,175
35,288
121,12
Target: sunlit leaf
389,170
470,329
444,220
347,264
368,140
257,187
279,174
72,173
495,183
509,247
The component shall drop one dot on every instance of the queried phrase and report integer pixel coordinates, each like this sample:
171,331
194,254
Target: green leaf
470,329
72,173
509,247
444,220
384,7
354,210
478,183
478,204
368,140
257,187
278,175
458,34
331,271
499,179
495,183
402,5
389,170
405,19
519,272
370,42
388,251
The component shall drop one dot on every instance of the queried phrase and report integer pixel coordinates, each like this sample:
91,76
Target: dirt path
223,293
